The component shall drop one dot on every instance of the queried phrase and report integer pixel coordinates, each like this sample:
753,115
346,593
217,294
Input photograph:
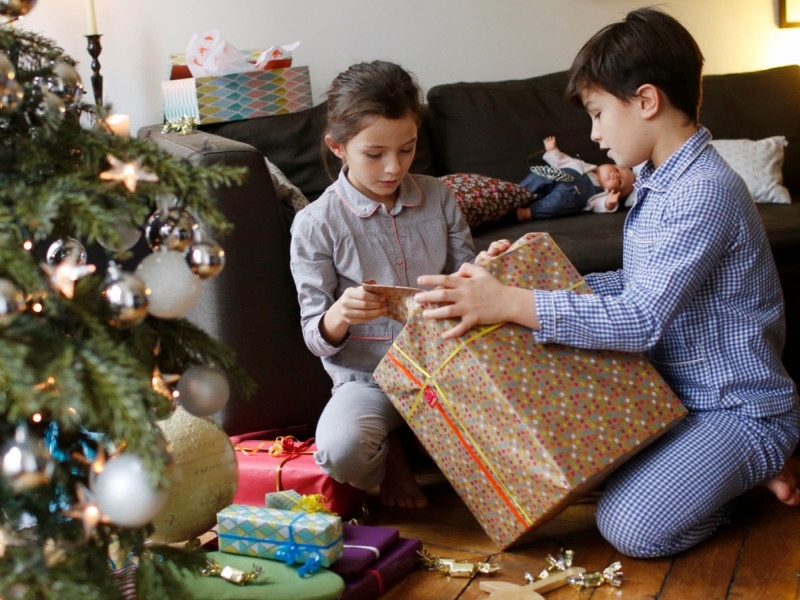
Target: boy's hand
496,248
550,143
612,201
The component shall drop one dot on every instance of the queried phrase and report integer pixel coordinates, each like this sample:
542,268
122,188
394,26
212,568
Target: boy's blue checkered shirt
698,292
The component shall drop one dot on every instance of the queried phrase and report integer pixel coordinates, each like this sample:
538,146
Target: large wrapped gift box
238,96
294,537
273,465
521,428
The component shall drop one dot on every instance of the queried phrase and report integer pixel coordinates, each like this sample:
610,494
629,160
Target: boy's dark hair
369,89
648,46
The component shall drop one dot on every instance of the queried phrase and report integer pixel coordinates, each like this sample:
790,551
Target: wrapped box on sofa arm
488,128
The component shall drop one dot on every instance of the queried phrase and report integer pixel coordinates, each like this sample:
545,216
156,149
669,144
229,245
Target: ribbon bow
289,445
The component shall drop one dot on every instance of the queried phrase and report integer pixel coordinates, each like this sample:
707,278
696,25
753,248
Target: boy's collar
659,179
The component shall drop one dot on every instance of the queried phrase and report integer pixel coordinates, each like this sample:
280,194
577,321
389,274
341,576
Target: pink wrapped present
521,429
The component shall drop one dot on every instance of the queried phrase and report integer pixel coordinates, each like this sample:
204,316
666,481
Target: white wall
439,40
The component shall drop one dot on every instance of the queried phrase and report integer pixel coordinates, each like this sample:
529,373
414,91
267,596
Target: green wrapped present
277,581
314,539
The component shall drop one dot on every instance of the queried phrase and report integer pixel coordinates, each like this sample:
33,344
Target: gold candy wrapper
456,568
232,574
612,575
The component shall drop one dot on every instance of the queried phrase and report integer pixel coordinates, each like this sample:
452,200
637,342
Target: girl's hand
354,306
496,248
476,298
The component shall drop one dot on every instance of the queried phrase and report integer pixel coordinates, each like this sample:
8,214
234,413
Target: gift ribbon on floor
472,448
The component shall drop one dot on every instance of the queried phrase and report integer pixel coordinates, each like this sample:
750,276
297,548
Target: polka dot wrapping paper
520,429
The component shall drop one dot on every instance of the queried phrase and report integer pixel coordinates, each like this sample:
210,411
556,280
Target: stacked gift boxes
520,428
284,463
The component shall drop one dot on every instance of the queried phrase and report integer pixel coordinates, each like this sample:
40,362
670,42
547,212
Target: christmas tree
93,353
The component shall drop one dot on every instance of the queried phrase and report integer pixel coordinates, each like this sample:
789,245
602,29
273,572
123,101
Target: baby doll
573,186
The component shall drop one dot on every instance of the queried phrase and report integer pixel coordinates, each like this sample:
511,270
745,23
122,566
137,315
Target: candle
91,18
119,125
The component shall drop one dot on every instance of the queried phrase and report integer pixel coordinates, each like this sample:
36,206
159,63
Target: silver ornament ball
66,249
125,492
172,228
12,301
26,463
65,82
49,107
11,95
206,258
127,299
16,8
203,391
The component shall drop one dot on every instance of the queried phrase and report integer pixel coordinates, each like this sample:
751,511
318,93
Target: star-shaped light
129,173
86,510
64,275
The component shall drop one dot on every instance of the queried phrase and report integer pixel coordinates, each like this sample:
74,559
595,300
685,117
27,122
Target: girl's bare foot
523,214
399,487
784,486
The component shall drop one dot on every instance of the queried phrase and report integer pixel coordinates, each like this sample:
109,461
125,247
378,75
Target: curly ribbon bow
283,446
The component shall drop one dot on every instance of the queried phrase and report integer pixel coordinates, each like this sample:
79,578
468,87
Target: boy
699,295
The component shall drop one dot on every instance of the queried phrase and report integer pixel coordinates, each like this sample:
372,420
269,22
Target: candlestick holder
94,48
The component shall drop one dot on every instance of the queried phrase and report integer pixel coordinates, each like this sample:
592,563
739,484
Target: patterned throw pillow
760,164
485,199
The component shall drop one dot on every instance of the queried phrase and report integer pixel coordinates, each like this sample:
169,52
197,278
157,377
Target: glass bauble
171,228
203,391
16,8
26,464
12,301
174,289
127,298
205,258
66,249
65,82
126,493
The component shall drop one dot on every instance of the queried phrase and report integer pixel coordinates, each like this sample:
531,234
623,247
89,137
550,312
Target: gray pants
352,434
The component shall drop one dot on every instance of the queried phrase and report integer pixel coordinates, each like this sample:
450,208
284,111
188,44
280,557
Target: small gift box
519,428
363,545
391,568
285,463
313,539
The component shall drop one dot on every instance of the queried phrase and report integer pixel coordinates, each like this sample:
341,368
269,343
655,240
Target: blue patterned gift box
312,539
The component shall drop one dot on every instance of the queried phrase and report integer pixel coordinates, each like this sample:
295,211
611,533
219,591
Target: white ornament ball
203,391
125,493
174,289
203,477
128,236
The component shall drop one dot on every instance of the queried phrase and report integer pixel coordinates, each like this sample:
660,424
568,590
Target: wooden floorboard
755,557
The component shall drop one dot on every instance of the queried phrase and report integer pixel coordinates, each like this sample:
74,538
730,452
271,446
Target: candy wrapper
521,429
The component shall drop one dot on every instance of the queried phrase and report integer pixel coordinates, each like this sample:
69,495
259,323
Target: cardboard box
293,537
519,428
237,96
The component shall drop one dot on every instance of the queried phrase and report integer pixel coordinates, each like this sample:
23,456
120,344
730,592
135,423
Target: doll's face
616,179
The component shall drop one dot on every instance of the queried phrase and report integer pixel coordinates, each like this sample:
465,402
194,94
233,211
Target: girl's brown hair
367,90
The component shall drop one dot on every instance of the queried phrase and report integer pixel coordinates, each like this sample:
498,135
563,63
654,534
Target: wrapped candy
612,575
232,574
456,568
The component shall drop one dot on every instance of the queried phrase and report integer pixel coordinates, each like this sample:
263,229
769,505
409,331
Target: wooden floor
756,557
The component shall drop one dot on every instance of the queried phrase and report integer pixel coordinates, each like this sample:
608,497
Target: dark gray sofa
487,128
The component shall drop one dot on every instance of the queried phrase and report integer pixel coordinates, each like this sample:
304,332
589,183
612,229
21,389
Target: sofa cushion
757,105
485,199
759,162
293,142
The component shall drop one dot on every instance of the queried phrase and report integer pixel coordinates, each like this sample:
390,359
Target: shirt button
399,261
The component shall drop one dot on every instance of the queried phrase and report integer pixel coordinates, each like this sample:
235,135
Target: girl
375,222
